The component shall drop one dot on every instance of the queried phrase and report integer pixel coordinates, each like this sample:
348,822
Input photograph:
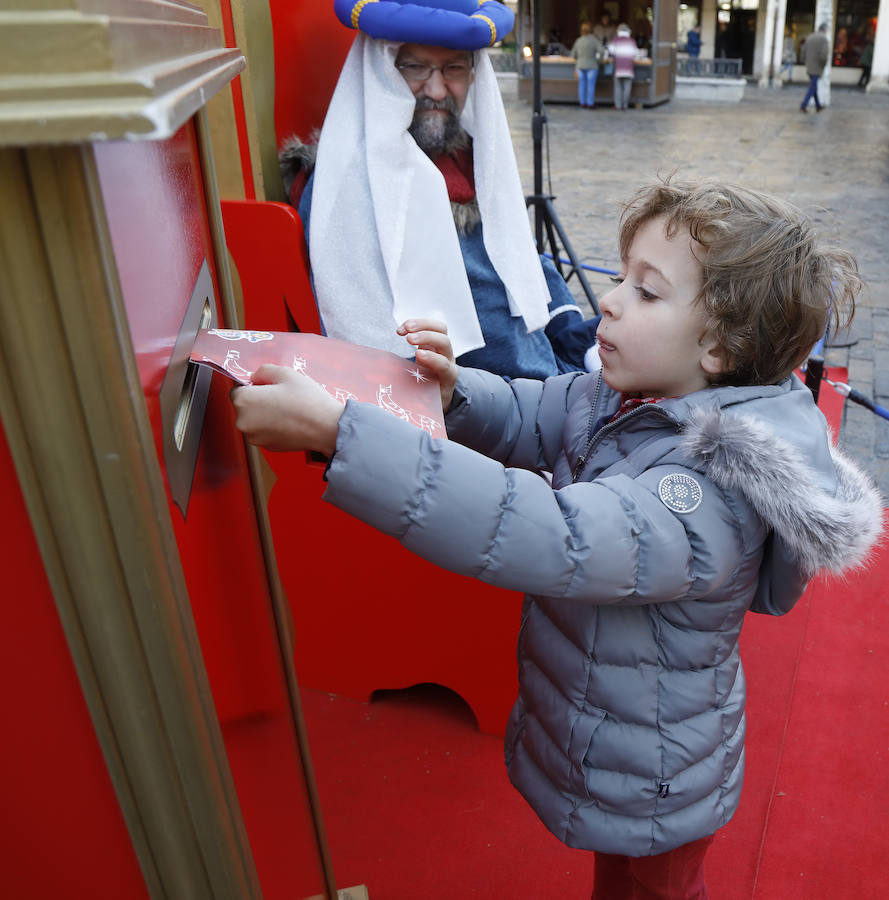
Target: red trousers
676,875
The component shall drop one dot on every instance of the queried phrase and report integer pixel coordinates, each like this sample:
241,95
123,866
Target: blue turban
456,24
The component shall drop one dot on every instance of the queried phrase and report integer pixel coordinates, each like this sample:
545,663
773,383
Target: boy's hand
434,351
284,410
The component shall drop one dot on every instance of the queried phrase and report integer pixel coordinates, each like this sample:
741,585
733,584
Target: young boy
692,479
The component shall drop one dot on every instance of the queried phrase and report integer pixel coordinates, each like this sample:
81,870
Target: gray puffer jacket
639,563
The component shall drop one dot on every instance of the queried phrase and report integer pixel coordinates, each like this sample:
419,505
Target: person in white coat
623,51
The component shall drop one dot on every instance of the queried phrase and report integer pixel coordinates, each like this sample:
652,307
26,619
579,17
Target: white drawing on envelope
386,401
232,365
238,334
300,366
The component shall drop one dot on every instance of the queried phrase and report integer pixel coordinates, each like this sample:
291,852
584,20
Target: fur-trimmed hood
821,530
769,447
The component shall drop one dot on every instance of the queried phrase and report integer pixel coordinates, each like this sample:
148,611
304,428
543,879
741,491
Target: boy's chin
624,388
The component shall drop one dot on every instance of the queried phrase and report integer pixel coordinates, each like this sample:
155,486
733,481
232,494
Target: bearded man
413,206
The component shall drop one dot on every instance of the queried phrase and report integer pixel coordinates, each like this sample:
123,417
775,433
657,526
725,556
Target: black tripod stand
545,218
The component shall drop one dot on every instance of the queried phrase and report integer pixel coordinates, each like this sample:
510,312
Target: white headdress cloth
382,241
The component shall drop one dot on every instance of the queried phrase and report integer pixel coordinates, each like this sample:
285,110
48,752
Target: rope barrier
857,397
567,262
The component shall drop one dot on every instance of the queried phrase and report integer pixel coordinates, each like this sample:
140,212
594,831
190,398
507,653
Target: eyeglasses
452,72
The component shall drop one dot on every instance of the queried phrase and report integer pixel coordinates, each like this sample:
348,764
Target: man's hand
434,351
284,410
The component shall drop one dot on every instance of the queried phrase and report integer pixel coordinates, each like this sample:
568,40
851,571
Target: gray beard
435,134
466,215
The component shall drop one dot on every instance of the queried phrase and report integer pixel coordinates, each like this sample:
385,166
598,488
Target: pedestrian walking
867,58
816,53
788,54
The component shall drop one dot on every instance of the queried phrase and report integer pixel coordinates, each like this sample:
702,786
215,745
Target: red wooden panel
62,831
310,46
367,613
272,263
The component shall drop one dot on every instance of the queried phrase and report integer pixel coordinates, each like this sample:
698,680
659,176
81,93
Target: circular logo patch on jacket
680,493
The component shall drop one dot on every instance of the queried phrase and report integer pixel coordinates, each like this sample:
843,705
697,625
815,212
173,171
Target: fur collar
466,215
296,158
836,532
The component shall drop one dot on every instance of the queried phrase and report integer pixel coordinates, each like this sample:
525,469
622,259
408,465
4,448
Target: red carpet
417,803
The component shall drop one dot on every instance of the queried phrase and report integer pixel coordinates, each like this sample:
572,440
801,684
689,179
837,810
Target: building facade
765,34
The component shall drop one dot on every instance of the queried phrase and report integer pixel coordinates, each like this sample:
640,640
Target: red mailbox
158,745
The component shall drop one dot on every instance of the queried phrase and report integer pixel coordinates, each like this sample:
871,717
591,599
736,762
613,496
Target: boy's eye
641,291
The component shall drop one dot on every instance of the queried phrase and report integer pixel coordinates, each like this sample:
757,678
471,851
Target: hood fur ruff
836,532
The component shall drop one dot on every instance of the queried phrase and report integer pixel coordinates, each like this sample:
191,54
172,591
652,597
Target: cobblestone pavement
834,164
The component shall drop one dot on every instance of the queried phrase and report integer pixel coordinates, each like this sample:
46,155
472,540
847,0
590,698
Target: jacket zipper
581,460
593,438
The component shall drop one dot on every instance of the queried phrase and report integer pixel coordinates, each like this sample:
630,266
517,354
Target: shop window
854,29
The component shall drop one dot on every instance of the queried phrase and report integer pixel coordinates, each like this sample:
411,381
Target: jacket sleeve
781,584
518,422
609,541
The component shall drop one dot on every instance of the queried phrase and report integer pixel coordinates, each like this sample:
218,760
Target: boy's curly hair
769,285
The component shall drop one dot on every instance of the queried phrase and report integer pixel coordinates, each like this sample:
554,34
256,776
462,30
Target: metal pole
814,374
537,122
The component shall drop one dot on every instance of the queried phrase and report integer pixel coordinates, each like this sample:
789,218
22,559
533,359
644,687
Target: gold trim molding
87,70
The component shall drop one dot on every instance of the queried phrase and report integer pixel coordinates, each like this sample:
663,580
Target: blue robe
510,350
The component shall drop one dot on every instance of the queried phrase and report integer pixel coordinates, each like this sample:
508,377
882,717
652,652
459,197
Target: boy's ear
713,358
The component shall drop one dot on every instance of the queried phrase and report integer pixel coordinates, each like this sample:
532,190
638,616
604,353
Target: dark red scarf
629,403
458,174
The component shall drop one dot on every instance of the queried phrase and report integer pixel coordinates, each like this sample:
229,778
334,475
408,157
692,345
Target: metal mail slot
183,394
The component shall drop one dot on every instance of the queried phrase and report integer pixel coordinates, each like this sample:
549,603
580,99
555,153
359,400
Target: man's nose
436,88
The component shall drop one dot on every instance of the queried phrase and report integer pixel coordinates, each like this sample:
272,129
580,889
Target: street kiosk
652,23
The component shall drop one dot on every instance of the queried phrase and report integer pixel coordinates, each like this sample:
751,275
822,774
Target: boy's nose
607,303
